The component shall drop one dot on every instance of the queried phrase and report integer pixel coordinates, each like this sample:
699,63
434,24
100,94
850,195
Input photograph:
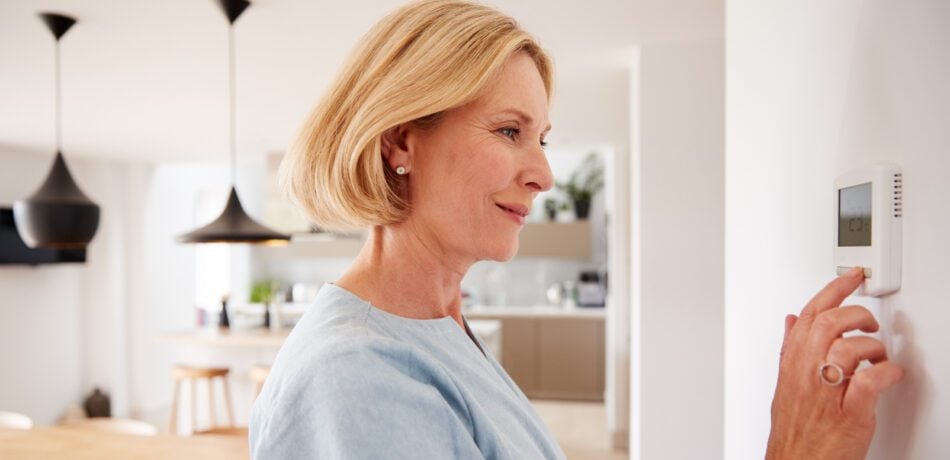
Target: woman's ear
395,149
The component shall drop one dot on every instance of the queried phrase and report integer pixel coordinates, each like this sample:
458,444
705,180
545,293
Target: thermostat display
868,216
854,216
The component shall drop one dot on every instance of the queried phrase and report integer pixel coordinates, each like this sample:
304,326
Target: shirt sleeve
368,398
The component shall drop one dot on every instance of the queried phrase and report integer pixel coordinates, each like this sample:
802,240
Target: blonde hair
419,61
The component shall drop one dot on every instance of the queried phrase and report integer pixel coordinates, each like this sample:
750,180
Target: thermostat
868,219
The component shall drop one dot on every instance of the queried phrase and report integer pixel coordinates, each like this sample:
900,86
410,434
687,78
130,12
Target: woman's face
475,174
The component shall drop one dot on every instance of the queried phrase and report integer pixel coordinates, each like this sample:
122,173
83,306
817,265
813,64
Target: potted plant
264,292
584,183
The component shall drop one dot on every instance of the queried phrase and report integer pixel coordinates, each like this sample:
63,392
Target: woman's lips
515,212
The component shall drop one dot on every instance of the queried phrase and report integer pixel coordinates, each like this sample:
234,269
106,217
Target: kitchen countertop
229,337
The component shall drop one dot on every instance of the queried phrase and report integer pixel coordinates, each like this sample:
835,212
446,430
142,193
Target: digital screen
854,215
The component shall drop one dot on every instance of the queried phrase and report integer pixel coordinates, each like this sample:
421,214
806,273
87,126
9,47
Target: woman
433,137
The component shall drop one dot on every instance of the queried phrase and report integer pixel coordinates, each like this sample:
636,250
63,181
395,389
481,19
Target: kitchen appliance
591,291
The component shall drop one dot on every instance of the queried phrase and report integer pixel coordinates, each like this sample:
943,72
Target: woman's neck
405,272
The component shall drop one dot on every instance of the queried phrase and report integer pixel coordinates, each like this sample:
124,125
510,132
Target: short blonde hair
419,61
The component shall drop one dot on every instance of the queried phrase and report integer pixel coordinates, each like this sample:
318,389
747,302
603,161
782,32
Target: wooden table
82,444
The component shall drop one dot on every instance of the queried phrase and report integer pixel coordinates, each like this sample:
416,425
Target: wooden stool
192,374
259,374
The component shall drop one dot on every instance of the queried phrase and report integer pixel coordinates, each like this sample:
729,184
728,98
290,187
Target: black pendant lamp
233,225
58,215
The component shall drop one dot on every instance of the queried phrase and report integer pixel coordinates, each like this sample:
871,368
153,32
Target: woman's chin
503,253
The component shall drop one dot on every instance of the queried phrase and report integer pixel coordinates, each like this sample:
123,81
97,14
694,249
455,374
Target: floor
580,429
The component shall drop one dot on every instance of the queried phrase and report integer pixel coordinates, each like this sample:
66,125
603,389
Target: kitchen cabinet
519,344
551,354
570,359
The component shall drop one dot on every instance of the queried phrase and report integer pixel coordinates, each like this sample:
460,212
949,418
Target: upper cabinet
568,240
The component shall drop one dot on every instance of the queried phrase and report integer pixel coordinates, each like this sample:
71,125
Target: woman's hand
816,420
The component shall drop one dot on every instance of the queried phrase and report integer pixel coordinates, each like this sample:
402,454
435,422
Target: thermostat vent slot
898,195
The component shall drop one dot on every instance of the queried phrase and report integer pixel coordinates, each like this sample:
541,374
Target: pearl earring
401,170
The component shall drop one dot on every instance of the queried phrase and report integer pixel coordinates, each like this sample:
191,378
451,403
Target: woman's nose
537,175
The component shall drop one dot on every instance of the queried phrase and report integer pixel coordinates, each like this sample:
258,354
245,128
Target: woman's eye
509,132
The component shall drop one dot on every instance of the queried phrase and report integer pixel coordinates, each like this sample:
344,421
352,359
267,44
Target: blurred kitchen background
614,324
145,112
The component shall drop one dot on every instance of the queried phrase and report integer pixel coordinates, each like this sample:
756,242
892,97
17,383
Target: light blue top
353,382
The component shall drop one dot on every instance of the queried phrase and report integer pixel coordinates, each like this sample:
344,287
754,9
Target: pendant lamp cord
59,103
232,90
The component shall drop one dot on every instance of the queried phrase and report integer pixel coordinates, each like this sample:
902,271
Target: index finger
833,294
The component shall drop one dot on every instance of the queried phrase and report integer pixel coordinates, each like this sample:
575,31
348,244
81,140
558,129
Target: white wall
41,343
165,281
592,103
813,89
678,252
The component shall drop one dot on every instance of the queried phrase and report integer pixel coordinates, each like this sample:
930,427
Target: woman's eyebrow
524,117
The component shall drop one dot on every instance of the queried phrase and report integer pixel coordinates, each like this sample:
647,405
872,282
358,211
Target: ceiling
147,79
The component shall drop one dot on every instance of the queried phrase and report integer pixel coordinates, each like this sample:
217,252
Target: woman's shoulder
356,364
354,350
